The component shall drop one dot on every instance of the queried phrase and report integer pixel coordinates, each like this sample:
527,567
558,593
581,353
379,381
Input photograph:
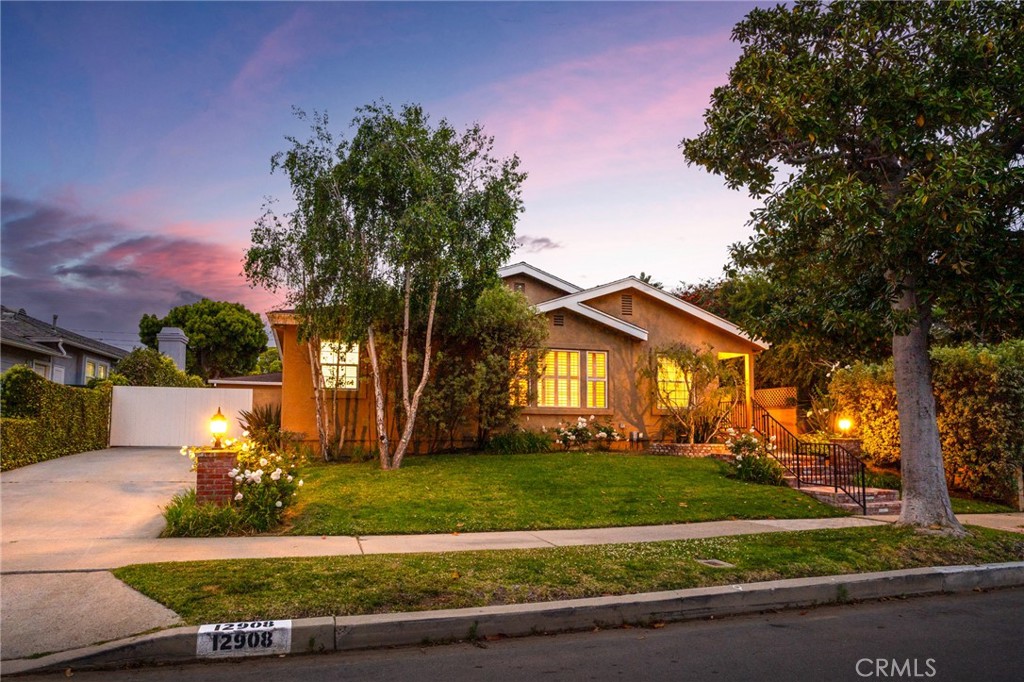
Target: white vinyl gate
145,416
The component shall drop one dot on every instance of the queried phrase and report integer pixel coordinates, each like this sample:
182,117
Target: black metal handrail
826,464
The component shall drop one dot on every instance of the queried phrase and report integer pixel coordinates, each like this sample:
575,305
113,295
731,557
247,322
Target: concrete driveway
56,514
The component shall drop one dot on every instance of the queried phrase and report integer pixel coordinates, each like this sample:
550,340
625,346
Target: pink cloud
620,112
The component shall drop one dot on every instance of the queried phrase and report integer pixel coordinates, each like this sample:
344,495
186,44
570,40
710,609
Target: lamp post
844,424
218,427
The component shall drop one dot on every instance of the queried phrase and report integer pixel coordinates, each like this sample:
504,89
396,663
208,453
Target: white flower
276,476
278,504
239,478
289,479
300,482
739,458
233,472
263,461
245,434
601,434
238,497
772,439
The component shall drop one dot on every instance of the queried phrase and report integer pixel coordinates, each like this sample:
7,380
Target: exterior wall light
218,427
844,424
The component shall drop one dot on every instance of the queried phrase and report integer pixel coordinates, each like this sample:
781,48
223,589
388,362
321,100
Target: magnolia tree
394,230
886,141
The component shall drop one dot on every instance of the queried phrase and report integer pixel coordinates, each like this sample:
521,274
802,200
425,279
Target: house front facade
60,355
597,339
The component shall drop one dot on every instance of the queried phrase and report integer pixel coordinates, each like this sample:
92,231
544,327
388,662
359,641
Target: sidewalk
67,522
44,588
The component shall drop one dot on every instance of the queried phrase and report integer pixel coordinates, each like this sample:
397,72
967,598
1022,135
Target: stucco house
596,336
58,354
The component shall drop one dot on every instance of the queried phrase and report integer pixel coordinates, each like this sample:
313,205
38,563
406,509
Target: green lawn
463,493
223,591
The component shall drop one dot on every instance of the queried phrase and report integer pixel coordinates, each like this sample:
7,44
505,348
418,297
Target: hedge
979,395
43,420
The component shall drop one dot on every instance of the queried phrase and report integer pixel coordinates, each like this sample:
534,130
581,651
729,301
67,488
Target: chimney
54,323
171,341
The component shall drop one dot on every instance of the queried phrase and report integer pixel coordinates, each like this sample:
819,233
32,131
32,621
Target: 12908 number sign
255,638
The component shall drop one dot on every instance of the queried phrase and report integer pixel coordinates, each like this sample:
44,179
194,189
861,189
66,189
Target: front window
339,365
597,379
673,385
559,383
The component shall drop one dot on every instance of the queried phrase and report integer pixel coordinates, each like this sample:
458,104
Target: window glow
673,385
339,365
597,379
559,384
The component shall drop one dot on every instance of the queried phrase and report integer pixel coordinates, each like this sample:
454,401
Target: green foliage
752,459
148,367
266,484
186,518
519,442
263,424
710,389
586,434
43,420
224,339
395,234
979,391
867,395
113,379
268,362
477,369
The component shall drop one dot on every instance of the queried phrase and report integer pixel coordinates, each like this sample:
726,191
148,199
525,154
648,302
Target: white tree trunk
413,405
925,496
378,393
322,425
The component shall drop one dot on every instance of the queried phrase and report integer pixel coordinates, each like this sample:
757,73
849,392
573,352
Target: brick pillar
212,481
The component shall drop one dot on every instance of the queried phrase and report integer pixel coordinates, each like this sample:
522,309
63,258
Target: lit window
673,385
597,379
95,370
339,365
559,383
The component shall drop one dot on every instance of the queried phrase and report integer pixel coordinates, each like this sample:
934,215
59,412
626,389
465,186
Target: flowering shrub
584,432
265,483
752,458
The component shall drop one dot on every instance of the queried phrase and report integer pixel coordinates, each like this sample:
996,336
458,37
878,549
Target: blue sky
136,137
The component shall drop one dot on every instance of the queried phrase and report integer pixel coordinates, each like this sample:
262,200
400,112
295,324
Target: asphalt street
973,636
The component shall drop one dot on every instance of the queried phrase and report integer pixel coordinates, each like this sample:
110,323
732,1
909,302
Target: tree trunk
322,428
378,393
925,497
413,405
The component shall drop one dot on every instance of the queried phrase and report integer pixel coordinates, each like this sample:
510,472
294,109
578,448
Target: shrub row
979,393
43,420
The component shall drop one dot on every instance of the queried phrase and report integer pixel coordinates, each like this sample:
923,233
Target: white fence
144,416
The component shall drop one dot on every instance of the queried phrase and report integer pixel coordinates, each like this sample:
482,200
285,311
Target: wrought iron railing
823,464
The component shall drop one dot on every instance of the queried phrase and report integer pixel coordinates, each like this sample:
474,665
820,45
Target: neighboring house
61,356
596,337
266,388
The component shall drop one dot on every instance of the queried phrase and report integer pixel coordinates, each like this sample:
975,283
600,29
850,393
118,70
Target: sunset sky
136,137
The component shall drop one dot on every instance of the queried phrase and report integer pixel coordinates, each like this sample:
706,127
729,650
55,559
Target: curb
347,633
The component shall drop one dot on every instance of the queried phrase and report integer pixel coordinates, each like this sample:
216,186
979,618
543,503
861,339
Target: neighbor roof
270,379
523,268
22,331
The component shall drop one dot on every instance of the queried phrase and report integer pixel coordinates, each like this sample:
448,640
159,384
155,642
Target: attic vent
519,286
559,319
627,304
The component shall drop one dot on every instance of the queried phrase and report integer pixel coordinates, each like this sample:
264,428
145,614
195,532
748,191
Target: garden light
218,427
845,424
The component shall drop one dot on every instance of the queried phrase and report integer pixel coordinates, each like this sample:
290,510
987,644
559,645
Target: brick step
880,501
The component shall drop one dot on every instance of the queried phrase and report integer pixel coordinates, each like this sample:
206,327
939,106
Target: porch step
880,501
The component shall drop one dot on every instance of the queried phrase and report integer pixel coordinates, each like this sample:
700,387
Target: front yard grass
463,493
223,591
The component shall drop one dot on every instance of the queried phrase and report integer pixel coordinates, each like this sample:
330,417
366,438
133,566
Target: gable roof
20,330
576,302
523,268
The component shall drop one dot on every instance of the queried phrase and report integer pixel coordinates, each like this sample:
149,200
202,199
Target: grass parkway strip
222,591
